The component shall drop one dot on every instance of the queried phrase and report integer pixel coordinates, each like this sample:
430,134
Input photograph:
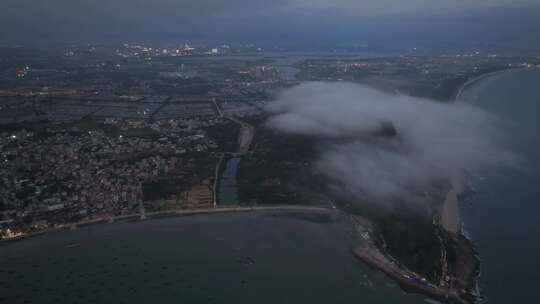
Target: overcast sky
318,21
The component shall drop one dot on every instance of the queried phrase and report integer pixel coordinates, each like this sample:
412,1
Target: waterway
503,217
228,187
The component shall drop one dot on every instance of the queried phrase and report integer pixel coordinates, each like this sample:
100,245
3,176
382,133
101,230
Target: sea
261,257
502,217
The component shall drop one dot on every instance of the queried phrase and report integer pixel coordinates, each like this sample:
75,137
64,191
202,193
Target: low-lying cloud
434,141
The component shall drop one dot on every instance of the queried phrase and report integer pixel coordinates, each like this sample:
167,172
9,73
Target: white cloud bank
434,139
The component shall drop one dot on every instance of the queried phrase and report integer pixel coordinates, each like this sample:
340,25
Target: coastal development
100,134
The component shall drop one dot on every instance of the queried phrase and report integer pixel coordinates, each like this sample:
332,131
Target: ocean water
226,258
503,218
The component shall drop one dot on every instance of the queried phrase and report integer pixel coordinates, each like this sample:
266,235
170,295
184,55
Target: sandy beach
450,219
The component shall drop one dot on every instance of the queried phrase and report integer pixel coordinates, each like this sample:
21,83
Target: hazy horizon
386,23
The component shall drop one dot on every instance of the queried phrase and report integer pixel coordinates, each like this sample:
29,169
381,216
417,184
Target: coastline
458,285
513,99
173,213
407,281
460,281
467,264
476,79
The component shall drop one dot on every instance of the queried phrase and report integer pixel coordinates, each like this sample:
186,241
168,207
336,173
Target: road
216,179
156,111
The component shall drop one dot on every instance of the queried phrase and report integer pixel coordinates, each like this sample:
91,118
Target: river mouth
228,184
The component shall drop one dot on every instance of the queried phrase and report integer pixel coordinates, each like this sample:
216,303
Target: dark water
228,187
227,258
503,218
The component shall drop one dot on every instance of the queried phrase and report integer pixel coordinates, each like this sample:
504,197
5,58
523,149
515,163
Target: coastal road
180,212
223,209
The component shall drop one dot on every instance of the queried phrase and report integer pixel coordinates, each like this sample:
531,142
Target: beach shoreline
457,286
481,77
173,213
